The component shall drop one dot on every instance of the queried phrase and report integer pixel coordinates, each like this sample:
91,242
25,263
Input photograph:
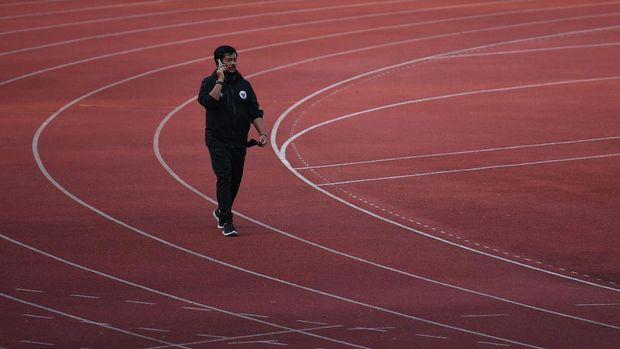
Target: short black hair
221,51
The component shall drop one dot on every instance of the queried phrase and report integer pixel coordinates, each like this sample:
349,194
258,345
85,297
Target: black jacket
228,120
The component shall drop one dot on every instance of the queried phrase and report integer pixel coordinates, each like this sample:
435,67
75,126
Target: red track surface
443,174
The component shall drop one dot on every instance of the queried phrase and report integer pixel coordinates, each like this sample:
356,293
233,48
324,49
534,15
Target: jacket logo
243,94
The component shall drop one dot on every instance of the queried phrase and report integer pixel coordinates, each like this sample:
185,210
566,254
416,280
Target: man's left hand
262,141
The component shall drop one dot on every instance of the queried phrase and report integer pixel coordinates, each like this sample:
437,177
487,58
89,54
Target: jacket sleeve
254,110
204,98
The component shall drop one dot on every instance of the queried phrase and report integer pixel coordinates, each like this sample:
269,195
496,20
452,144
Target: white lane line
202,22
58,312
430,336
371,329
474,151
38,316
533,50
202,335
281,153
83,9
194,308
221,338
83,296
28,290
37,343
484,315
30,2
495,344
139,302
254,315
265,342
164,294
312,322
153,329
472,169
174,175
598,305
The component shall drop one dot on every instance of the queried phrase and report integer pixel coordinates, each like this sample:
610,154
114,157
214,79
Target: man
231,106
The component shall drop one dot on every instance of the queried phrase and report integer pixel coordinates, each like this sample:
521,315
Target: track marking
139,302
199,309
161,293
37,343
266,342
28,290
38,316
598,305
482,168
430,336
512,147
73,317
312,322
544,49
153,329
495,344
84,9
31,2
221,338
205,335
83,296
371,329
254,315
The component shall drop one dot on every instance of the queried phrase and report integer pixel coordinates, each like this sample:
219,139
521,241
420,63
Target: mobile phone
219,62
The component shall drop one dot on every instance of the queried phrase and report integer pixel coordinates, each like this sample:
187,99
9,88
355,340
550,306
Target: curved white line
168,295
31,2
282,156
90,322
204,21
83,9
448,96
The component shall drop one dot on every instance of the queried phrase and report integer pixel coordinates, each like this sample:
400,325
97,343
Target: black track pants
227,165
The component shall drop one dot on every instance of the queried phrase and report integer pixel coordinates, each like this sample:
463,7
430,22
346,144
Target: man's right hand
220,71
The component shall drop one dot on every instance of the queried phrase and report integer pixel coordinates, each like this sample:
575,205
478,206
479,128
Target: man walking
231,106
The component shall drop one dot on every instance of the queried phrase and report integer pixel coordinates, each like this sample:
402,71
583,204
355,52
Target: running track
441,174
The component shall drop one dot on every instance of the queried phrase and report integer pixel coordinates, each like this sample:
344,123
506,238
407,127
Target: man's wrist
219,82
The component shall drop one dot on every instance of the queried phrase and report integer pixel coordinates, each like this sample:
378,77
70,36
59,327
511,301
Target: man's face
230,61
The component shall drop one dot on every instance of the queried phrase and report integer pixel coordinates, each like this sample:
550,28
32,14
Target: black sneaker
216,214
229,230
